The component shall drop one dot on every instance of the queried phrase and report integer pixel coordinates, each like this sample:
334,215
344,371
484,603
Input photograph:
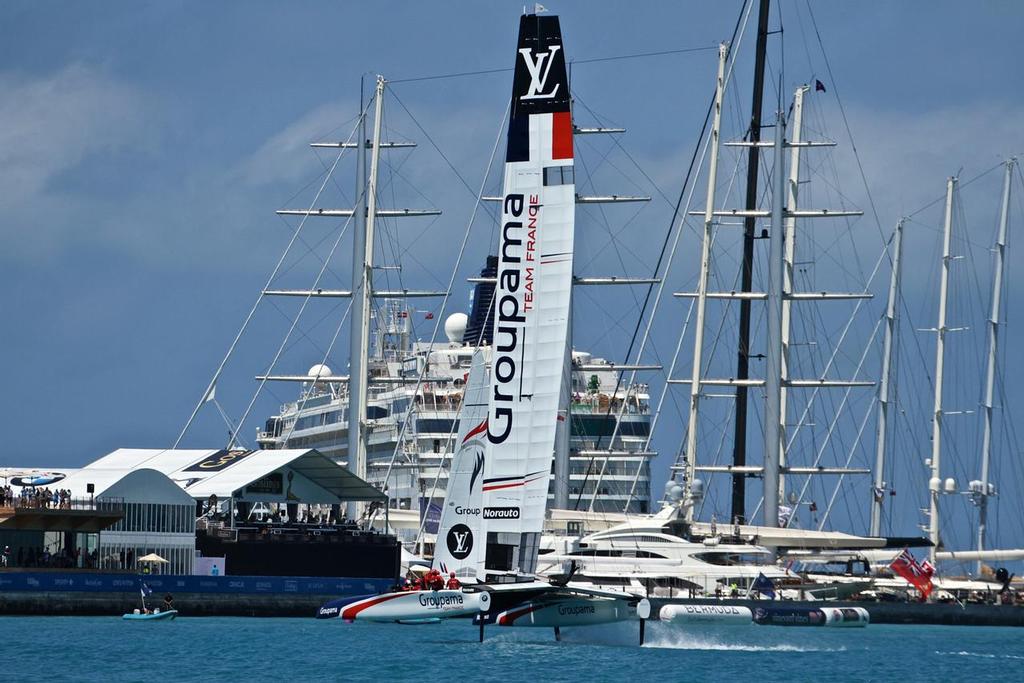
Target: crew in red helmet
453,583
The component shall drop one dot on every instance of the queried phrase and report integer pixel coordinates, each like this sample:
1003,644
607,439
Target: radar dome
455,327
319,370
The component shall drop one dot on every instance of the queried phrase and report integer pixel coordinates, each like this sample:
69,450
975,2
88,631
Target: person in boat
453,583
416,585
168,602
434,580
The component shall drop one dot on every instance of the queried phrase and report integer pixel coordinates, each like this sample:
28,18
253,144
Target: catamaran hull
569,612
414,607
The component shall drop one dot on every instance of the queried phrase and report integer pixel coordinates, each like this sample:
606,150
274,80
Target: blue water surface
248,649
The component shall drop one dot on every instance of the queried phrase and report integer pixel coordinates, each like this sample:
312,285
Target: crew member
453,583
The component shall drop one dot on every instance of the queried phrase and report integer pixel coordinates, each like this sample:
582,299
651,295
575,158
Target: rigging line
593,60
618,143
724,319
298,316
448,292
846,123
438,150
962,184
741,21
330,347
604,223
306,335
839,411
839,484
259,298
835,353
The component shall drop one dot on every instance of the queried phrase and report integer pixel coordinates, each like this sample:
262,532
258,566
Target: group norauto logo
539,67
460,541
459,510
501,513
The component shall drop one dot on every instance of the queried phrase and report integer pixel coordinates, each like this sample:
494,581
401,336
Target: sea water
247,649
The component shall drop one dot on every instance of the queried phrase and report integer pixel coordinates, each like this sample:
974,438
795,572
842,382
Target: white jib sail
460,544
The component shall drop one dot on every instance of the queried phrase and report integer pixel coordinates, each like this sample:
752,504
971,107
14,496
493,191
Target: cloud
286,158
907,155
53,123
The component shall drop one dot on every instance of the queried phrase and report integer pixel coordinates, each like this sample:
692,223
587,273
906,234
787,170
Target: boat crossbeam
345,213
344,293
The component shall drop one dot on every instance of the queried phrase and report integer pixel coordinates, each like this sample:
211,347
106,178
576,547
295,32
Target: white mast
982,492
935,483
773,356
702,284
362,291
883,388
789,256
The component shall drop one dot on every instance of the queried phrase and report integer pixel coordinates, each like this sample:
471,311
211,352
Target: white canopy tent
290,475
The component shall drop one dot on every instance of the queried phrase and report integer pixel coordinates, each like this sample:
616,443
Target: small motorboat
156,615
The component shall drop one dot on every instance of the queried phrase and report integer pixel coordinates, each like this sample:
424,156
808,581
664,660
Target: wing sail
532,295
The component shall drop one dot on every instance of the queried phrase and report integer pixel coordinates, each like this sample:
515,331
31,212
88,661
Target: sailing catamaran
491,524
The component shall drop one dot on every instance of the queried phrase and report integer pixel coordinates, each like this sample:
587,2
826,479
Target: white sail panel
460,546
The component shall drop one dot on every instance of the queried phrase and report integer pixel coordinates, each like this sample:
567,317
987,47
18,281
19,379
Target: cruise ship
412,426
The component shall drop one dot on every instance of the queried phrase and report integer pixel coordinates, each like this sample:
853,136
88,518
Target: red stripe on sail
561,135
530,478
496,487
476,430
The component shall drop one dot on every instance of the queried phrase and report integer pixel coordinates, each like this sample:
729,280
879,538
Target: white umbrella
152,557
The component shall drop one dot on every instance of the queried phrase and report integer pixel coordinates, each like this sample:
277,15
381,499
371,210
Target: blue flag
763,585
145,590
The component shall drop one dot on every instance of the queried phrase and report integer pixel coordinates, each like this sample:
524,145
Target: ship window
559,175
436,426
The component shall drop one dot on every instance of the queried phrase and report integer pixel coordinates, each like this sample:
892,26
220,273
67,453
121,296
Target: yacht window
642,554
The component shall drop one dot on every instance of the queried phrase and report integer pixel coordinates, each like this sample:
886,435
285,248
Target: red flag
919,577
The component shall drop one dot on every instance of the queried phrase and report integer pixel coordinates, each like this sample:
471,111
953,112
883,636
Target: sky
146,146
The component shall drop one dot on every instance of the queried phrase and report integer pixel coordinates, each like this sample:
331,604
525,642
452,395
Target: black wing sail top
540,84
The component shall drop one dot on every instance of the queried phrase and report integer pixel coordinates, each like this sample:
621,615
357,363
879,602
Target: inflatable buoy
718,614
812,616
